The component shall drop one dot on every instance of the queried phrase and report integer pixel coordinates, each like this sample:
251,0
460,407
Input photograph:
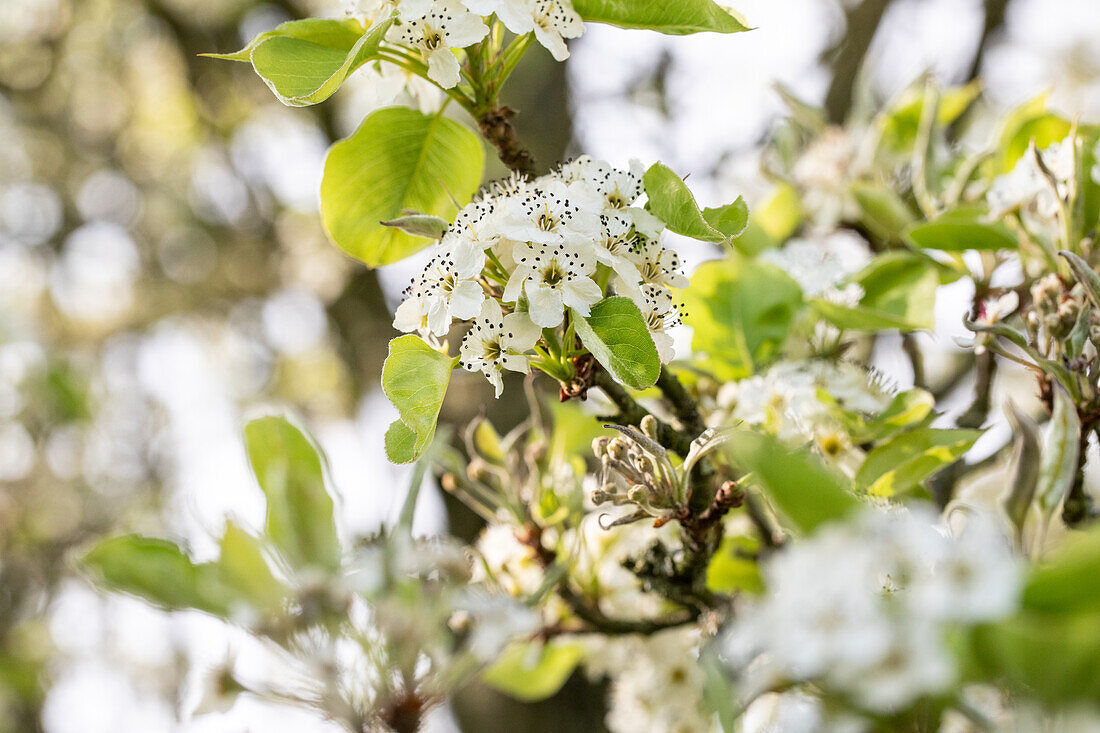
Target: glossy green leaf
243,567
531,671
908,409
616,334
900,464
305,61
673,18
303,72
157,571
798,484
963,229
321,31
289,469
741,311
731,219
671,201
398,160
415,378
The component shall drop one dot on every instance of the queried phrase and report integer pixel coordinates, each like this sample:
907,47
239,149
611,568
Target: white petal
483,7
466,299
515,285
468,257
491,314
443,68
553,43
581,293
517,16
409,316
646,223
516,363
439,319
412,9
492,373
466,30
545,306
663,342
520,333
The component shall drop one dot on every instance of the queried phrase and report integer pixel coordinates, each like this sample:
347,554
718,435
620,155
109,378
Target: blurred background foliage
163,271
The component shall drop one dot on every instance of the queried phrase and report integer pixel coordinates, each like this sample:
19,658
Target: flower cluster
435,29
861,608
787,400
528,251
656,681
1037,187
635,470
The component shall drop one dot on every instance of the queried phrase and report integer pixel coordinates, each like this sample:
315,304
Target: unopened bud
618,449
599,496
599,446
643,463
640,494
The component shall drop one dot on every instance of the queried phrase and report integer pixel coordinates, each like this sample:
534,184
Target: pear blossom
446,289
553,213
370,9
444,25
618,189
660,314
554,21
657,264
614,248
496,342
551,20
862,607
553,276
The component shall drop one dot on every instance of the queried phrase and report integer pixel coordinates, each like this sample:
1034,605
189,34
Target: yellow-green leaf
398,160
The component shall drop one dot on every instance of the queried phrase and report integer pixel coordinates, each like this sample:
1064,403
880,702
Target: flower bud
599,446
618,449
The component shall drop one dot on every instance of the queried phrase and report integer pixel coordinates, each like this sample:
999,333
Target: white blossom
553,276
660,314
551,214
617,188
446,289
862,607
496,342
443,26
551,20
658,264
820,263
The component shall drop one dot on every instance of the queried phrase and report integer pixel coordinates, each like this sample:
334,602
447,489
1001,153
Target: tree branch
496,127
862,24
994,18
